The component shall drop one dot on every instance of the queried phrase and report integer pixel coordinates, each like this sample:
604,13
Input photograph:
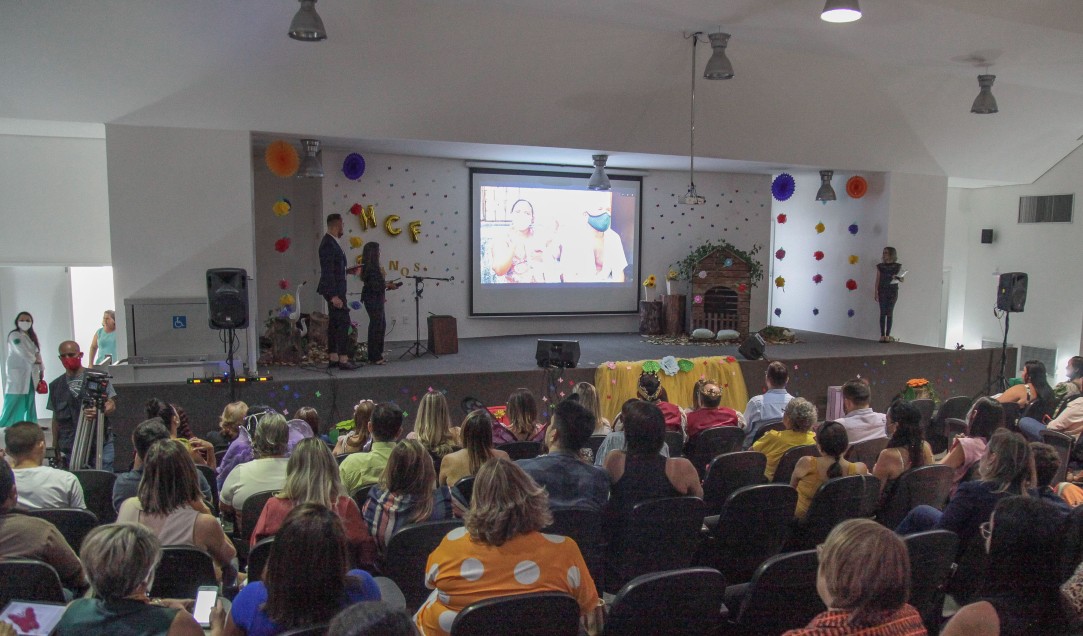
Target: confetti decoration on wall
820,227
851,284
780,282
853,259
780,253
742,287
283,284
285,300
282,244
817,278
856,187
853,228
353,166
355,242
815,311
818,255
783,187
281,207
355,305
781,218
778,311
356,209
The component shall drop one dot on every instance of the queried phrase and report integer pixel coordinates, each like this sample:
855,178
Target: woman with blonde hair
432,427
229,424
407,493
863,600
522,420
477,436
501,551
357,438
588,397
312,477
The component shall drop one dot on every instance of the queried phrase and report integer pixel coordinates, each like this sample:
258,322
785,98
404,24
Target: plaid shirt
904,622
386,512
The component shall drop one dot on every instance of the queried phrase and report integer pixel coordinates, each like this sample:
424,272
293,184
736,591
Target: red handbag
42,387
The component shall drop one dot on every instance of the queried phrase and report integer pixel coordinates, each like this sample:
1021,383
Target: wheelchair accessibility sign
180,322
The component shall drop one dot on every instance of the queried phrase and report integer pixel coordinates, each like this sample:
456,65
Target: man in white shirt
39,486
771,404
861,422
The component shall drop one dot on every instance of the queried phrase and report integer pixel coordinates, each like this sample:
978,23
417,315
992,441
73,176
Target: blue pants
1031,429
920,519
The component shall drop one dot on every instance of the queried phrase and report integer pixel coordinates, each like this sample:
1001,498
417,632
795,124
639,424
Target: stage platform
490,368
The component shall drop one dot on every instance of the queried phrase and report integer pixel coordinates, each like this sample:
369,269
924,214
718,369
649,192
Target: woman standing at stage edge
887,290
373,296
23,365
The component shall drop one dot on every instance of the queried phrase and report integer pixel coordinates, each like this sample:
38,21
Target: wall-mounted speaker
753,347
987,236
1012,291
227,298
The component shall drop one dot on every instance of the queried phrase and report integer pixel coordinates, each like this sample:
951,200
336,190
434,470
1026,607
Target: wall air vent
1053,208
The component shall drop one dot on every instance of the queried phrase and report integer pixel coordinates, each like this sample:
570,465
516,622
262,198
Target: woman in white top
23,371
266,472
170,504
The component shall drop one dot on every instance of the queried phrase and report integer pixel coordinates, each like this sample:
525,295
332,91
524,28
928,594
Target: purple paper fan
353,166
783,187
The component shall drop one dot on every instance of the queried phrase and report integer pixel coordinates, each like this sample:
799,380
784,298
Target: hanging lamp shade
841,11
307,26
826,192
598,179
719,66
311,167
985,103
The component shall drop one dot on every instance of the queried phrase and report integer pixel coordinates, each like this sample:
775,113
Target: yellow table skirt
619,383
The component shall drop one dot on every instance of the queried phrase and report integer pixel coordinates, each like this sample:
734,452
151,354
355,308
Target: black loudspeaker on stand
1011,297
227,305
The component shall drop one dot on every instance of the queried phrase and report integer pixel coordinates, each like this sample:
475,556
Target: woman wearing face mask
599,256
23,372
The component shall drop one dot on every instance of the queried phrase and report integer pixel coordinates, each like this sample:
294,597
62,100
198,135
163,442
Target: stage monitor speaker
1012,291
558,353
227,298
753,347
987,236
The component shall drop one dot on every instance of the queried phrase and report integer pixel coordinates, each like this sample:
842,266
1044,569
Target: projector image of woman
528,253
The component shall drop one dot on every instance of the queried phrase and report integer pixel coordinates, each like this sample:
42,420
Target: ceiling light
985,103
841,11
310,164
719,66
598,179
826,192
307,25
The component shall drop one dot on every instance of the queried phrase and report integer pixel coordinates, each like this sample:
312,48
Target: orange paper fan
856,187
282,159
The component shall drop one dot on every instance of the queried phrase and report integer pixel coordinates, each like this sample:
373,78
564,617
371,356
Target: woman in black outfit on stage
887,290
373,296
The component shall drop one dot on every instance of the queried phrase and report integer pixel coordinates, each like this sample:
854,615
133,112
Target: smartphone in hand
206,597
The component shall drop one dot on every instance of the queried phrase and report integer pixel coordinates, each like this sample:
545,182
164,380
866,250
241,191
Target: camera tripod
87,431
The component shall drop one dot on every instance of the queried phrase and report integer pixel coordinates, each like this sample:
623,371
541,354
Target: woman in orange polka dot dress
500,552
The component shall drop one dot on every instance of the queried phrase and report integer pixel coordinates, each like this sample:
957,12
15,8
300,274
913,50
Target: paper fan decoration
851,284
856,187
282,244
282,159
686,365
820,227
783,187
282,207
780,282
780,253
353,166
651,366
781,218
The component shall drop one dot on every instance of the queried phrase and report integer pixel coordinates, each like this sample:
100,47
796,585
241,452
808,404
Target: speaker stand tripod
417,349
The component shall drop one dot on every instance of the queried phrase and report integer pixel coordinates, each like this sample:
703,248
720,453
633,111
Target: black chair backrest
29,580
781,596
521,450
690,600
773,424
837,500
956,407
74,523
212,479
675,442
752,527
182,570
789,460
1011,415
406,555
870,505
711,443
932,560
1072,548
250,512
585,527
218,455
658,535
542,614
953,426
312,630
867,452
926,407
98,493
594,442
927,485
340,458
1063,445
465,487
257,558
361,495
729,472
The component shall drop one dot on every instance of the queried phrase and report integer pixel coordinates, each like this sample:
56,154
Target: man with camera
75,392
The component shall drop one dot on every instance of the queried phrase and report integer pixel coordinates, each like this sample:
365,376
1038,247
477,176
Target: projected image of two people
535,235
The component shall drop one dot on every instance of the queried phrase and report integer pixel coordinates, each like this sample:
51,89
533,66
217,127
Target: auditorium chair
870,504
407,553
341,457
1072,550
74,523
952,408
753,526
954,426
1011,416
208,474
586,528
866,452
521,450
98,493
257,558
675,443
932,562
1063,445
772,424
729,472
659,534
465,488
836,500
690,599
927,485
361,495
594,443
789,460
781,596
711,443
925,406
182,570
539,614
29,580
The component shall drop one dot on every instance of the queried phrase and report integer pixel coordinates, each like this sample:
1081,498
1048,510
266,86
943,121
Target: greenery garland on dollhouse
686,268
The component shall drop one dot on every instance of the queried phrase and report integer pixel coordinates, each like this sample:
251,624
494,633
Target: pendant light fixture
311,168
307,26
826,192
598,179
985,103
719,66
841,11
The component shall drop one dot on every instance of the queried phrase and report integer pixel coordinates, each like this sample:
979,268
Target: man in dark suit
332,287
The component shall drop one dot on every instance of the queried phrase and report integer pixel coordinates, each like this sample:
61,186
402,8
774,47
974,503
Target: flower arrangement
650,282
919,389
672,274
686,267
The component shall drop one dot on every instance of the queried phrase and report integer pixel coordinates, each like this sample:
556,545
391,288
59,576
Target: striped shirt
904,622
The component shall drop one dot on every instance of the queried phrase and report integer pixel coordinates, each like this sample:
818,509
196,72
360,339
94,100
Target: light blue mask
600,222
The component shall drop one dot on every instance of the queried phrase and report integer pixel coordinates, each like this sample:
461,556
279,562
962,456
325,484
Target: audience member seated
309,416
709,414
26,537
588,397
1005,470
568,481
650,390
170,504
640,473
1034,395
477,438
985,417
1067,416
120,560
1046,465
356,439
240,449
407,493
307,580
864,580
501,552
176,420
127,484
1020,594
365,469
861,422
266,472
312,477
771,404
811,472
615,440
1069,388
433,429
372,618
522,410
906,447
228,424
39,486
798,420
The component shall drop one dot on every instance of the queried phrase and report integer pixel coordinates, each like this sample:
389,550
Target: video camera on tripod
95,388
94,393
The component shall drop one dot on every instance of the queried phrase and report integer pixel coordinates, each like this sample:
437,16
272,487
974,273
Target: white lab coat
21,368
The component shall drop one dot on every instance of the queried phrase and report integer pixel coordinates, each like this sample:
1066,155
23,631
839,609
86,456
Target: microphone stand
417,349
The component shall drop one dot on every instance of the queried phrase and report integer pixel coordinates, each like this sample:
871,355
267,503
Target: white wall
180,203
1048,253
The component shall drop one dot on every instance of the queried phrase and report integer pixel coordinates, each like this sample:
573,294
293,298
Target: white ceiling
522,80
